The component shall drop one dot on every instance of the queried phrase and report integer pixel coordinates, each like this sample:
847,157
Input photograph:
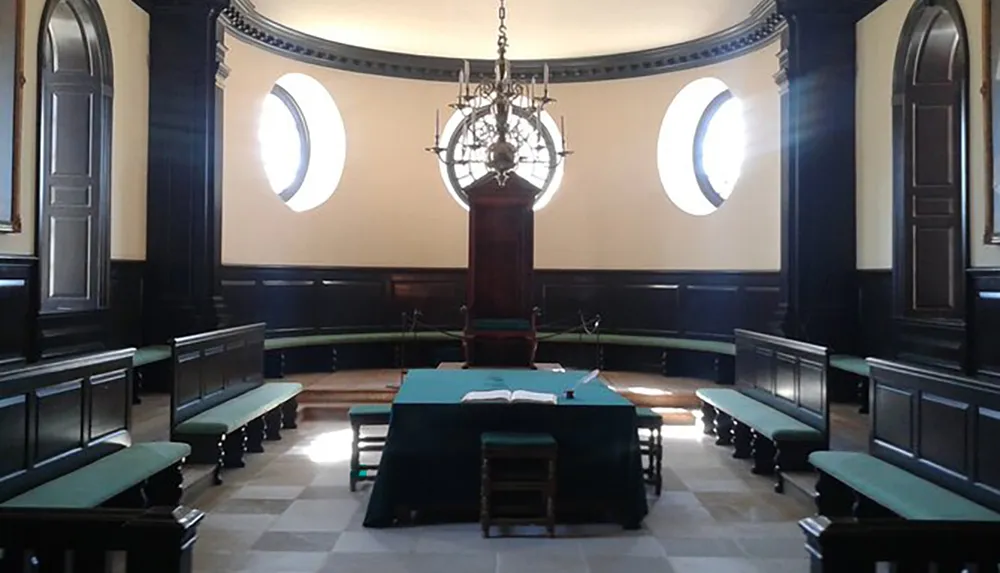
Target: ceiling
538,29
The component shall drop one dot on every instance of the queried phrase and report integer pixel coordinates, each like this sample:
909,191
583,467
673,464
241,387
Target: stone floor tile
316,515
323,541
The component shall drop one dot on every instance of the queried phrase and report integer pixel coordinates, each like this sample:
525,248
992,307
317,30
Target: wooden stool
517,447
652,447
361,416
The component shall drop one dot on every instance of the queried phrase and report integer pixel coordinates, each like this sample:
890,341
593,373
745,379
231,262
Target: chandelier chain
502,29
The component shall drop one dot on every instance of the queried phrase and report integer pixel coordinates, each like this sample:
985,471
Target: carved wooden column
818,260
184,205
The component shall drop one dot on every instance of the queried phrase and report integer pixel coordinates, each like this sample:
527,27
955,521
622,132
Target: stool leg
550,509
355,456
658,472
484,497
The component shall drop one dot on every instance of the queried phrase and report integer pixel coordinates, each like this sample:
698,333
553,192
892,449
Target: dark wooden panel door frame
930,183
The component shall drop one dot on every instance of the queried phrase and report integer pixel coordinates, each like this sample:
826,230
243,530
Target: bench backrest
209,368
940,426
60,415
787,375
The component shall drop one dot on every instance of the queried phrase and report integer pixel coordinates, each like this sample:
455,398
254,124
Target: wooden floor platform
327,395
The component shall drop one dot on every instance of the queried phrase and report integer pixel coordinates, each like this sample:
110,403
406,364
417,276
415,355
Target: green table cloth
431,459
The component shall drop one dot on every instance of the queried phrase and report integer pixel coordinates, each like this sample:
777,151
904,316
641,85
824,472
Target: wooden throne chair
499,315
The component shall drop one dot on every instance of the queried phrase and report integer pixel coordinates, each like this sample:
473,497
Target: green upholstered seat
150,354
896,489
647,418
852,364
100,481
236,413
370,413
761,417
499,324
516,440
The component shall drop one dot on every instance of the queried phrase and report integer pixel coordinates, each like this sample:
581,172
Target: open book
511,397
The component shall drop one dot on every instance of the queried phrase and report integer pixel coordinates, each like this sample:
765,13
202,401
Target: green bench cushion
236,413
896,489
282,343
150,354
100,481
368,412
761,417
691,344
516,440
848,363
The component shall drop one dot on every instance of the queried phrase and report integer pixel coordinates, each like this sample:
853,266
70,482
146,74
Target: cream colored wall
128,27
878,34
391,207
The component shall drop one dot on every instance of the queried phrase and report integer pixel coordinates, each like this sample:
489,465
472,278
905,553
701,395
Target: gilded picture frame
990,91
11,91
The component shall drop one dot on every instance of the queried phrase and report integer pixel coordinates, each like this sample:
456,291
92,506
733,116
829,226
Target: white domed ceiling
538,29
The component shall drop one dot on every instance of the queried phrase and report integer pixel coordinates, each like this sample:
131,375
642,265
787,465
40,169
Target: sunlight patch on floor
330,447
645,391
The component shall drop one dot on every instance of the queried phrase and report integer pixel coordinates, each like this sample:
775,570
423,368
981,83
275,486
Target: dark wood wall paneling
984,323
313,300
301,300
15,307
127,287
875,336
21,338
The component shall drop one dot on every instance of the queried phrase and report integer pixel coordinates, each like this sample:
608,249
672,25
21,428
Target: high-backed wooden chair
499,317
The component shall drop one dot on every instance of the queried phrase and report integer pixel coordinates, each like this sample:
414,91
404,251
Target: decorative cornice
758,30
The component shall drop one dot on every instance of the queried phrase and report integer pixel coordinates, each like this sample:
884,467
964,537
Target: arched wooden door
930,125
74,138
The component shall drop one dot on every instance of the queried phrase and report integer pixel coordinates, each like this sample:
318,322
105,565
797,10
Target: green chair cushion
236,413
647,418
370,413
761,417
150,354
896,489
852,364
516,440
109,476
497,324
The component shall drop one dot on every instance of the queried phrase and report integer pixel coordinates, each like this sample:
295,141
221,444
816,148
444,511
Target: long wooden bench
154,540
65,429
220,403
934,453
778,413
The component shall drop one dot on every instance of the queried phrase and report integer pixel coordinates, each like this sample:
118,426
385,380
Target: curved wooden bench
692,344
718,348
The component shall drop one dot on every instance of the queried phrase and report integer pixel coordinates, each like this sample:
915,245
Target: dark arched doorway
930,125
74,138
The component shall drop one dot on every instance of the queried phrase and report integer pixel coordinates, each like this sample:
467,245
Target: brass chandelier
501,126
